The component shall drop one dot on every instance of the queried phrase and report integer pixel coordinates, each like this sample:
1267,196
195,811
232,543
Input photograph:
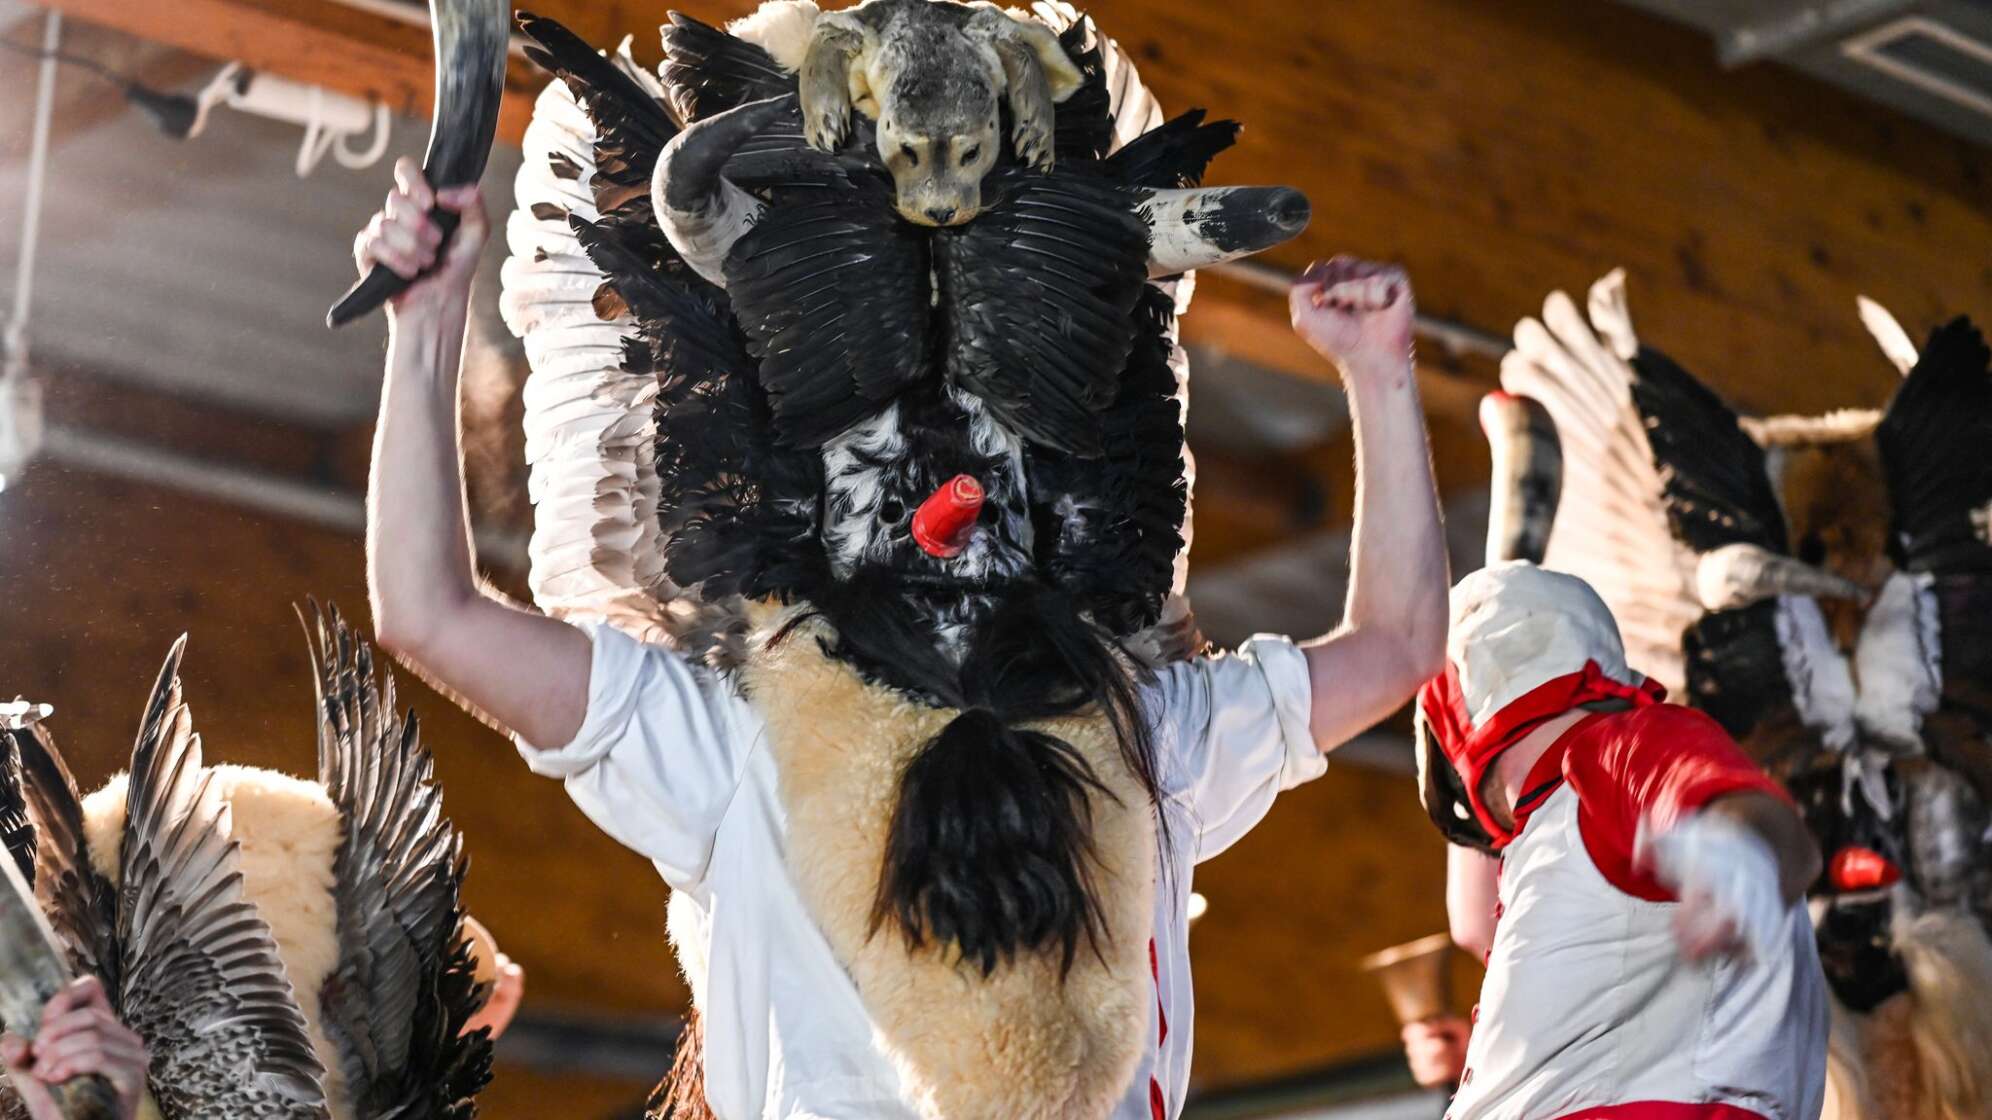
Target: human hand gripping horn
33,968
471,40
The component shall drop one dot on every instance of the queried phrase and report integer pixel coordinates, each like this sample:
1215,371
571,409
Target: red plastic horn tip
1854,868
946,520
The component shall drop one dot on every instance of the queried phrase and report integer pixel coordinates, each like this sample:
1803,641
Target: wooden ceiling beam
359,53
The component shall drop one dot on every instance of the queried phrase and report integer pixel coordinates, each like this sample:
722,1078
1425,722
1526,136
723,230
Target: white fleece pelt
780,27
288,832
1022,1043
1925,1054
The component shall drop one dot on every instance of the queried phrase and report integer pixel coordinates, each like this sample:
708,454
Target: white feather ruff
1822,685
780,27
1900,661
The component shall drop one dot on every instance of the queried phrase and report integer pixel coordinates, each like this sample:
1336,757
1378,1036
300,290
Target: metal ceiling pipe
1796,30
328,507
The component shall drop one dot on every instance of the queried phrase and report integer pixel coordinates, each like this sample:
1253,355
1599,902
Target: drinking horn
471,40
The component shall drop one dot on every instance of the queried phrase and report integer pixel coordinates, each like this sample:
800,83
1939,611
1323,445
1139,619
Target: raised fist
1355,313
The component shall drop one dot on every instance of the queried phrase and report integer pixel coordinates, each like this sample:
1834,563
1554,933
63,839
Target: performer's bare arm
527,671
1393,632
1472,891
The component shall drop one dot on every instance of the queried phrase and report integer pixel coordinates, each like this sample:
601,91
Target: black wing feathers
832,292
397,1001
1041,292
1936,449
631,127
1174,154
81,904
707,71
1716,487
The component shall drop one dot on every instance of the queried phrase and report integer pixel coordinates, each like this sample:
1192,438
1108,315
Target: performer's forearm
1472,894
1392,636
1782,830
419,565
1398,574
527,672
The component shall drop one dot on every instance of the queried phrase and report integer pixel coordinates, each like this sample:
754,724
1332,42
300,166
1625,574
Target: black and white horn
701,211
472,37
1527,479
1195,227
1739,575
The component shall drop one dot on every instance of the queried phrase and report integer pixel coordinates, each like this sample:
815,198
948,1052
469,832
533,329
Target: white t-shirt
671,762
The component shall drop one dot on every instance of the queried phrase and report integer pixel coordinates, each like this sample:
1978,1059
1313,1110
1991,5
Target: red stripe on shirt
1663,1110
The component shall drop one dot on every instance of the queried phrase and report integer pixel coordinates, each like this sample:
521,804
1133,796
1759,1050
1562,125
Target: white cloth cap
1516,626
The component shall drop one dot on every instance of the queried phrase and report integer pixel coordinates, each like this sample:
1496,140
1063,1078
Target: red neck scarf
1472,750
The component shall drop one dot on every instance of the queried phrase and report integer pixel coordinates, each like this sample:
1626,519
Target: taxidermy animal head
932,75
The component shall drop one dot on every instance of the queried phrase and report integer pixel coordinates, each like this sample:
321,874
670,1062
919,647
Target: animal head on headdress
935,78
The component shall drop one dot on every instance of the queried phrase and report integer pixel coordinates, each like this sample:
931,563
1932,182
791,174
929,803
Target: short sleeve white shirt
673,763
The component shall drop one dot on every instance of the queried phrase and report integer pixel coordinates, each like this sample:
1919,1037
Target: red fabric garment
1473,750
1656,763
1664,1110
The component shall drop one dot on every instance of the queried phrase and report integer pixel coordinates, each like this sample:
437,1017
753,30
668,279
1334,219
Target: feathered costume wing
656,465
194,969
198,975
1664,486
396,1003
1670,507
187,962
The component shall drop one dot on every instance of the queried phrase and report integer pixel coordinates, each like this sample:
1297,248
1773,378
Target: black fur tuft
991,848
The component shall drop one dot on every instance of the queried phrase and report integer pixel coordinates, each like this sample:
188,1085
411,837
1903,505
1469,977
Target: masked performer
249,944
1821,586
1652,957
862,416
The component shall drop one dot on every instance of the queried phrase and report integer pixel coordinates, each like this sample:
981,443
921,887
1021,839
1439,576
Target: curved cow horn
702,213
1198,226
1739,575
1528,476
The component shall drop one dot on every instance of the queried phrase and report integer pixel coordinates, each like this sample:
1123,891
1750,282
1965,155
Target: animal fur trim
1839,426
780,27
1949,961
288,831
1925,1054
1021,1044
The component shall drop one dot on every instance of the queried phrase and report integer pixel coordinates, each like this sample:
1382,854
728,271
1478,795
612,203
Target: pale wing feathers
1888,334
201,981
596,552
80,904
1612,527
395,879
